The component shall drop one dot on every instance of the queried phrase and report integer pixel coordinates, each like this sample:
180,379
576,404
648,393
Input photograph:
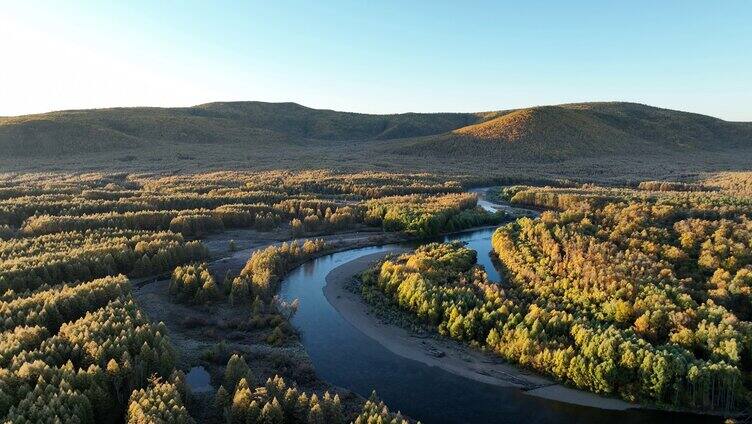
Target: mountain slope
586,129
319,124
81,131
538,133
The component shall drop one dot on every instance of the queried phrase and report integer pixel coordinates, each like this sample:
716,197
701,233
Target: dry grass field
604,142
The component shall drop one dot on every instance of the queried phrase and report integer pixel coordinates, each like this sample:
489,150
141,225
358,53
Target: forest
78,348
260,212
640,293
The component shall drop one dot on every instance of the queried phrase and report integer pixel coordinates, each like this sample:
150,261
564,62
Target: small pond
199,380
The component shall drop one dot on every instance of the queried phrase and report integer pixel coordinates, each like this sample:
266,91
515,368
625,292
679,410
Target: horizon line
84,109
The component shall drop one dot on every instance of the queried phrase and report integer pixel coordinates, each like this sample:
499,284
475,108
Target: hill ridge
546,131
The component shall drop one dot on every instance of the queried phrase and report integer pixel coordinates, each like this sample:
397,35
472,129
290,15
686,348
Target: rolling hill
537,133
587,129
82,131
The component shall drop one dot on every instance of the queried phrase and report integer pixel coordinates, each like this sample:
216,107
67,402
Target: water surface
199,380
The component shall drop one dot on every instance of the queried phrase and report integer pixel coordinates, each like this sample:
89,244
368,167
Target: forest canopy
642,294
75,346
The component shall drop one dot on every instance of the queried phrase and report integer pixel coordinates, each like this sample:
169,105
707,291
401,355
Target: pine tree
237,369
316,415
221,398
241,403
272,413
254,413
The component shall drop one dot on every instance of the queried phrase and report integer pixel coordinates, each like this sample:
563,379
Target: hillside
82,131
257,131
586,129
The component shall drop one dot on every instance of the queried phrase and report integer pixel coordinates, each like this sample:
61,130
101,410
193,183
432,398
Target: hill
83,131
273,135
586,129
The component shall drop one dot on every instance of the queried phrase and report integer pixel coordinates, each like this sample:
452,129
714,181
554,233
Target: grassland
607,142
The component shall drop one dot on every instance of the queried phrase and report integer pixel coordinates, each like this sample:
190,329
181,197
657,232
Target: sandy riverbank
443,353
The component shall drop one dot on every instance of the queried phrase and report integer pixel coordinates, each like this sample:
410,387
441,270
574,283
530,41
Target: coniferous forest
77,346
364,212
640,293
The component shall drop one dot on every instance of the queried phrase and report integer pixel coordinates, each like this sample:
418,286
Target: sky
377,56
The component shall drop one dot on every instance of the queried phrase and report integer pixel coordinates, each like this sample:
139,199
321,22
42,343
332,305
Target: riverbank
205,335
446,354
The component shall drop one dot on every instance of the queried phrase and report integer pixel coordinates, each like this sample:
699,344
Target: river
345,357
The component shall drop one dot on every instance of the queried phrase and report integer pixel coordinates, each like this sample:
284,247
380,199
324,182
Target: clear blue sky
377,56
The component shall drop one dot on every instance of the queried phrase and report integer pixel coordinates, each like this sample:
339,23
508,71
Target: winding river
345,357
